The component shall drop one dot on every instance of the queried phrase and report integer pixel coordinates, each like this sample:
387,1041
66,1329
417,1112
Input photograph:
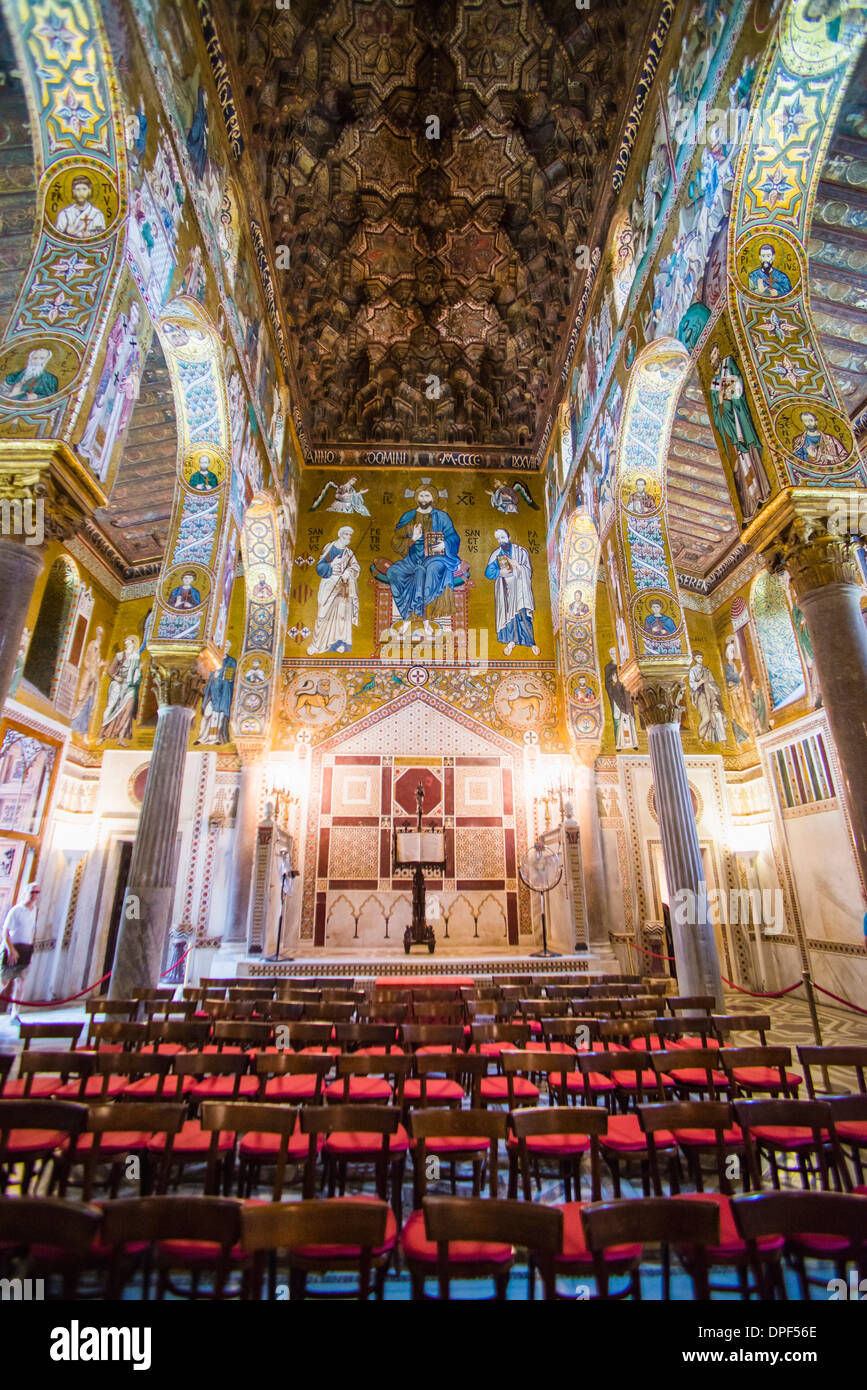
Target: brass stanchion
814,1016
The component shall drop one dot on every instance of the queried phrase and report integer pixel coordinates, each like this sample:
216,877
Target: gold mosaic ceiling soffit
430,171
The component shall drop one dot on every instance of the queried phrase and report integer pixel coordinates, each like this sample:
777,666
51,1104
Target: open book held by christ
434,542
420,847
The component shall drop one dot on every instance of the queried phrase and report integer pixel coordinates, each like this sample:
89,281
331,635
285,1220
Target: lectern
418,852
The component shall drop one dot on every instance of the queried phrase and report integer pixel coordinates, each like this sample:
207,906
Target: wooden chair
850,1125
700,1127
329,1013
687,1032
438,1011
146,1075
106,1010
665,1221
558,1133
803,1128
762,1069
444,1079
846,1058
827,1226
292,1077
491,1230
429,1038
693,1072
200,1235
354,1235
449,1137
266,1135
161,992
308,1037
514,1086
370,1136
55,1237
175,1037
690,1003
377,1080
726,1024
624,1140
116,1132
490,1039
370,1039
53,1070
35,1134
372,1012
253,1036
166,1009
217,1075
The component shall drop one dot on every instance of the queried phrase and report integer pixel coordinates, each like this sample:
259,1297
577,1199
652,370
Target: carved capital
814,557
250,750
45,491
661,703
179,683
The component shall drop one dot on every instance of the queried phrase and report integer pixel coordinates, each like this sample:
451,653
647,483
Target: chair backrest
306,1034
54,1032
128,1117
135,1064
329,1013
533,1121
157,992
702,1059
316,1120
373,1012
213,1064
249,1117
271,1226
433,994
646,1220
137,1219
679,1003
539,1229
544,1008
169,1008
241,1034
716,1115
814,1115
798,1213
458,1065
636,1064
462,1124
273,1064
684,1025
438,1011
28,1221
846,1056
393,1067
770,1058
349,1036
516,1033
81,1065
415,1035
726,1024
621,1030
110,1008
68,1116
282,1010
185,1034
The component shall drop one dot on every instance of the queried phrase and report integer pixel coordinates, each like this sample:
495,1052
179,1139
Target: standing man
511,569
19,932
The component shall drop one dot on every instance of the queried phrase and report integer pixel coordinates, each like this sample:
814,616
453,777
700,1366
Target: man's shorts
10,970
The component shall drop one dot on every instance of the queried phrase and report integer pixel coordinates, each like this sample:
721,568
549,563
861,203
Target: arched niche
51,628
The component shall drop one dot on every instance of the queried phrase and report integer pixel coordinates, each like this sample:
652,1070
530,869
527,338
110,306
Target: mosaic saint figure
815,446
80,219
88,683
733,420
767,279
116,393
217,702
32,382
124,681
511,569
422,581
337,601
620,703
185,595
707,698
347,498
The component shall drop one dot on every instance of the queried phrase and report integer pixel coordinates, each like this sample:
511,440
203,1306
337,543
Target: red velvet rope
844,1002
70,998
761,994
654,954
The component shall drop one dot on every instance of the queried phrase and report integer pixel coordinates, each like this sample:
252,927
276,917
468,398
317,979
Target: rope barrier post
814,1016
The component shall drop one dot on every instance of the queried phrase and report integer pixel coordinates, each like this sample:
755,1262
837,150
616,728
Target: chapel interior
433,648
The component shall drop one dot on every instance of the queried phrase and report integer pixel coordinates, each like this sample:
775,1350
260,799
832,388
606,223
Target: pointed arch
648,616
582,692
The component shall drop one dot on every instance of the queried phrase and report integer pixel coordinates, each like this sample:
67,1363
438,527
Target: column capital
178,678
44,474
661,702
814,556
251,751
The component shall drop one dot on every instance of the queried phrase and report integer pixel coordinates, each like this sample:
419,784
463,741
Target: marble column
826,587
151,884
20,567
587,816
695,950
246,823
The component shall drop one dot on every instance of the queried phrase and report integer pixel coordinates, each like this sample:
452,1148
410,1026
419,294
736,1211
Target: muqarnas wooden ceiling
431,281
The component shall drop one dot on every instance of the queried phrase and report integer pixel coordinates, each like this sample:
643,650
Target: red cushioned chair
35,1134
217,1075
554,1133
373,1012
476,1239
146,1075
174,1037
689,1034
295,1077
153,992
164,1010
844,1058
308,1037
690,1003
199,1235
250,1036
366,1080
108,1011
663,1221
329,1013
48,1074
561,1034
701,1127
636,1081
762,1070
366,1136
444,1078
115,1133
115,1036
268,1136
692,1071
804,1128
352,1234
850,1124
447,1137
438,1011
491,1039
827,1226
54,1237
